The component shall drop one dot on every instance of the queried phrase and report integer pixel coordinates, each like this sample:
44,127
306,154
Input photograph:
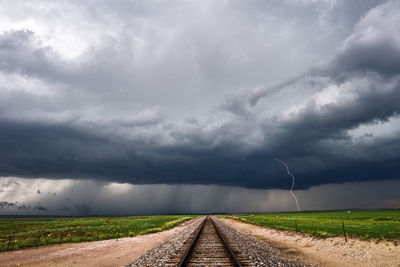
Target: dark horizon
200,214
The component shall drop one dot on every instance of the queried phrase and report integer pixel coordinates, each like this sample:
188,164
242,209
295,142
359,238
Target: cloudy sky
139,107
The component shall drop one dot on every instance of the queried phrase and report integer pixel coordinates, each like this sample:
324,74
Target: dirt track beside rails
330,252
101,253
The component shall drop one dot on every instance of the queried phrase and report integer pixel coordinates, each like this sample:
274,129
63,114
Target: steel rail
189,249
227,247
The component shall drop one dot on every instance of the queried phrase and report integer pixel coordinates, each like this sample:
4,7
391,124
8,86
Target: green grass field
31,232
363,224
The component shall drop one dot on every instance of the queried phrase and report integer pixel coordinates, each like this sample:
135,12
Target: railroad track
208,247
210,242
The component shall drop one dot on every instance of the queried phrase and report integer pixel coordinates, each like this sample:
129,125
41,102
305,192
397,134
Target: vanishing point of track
210,241
209,248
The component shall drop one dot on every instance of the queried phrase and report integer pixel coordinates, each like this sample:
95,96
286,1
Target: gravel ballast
255,251
168,252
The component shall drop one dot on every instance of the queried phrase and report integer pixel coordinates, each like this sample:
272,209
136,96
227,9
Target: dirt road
101,253
329,252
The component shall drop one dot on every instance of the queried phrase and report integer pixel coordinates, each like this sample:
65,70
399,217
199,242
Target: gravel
168,252
249,249
255,250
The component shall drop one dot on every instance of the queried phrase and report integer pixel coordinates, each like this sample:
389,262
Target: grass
31,232
377,224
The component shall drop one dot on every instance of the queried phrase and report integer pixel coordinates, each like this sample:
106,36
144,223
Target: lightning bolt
293,179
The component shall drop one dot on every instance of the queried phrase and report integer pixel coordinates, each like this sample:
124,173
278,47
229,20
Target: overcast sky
156,102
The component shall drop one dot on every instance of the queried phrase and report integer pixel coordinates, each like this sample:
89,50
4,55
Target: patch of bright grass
363,224
31,232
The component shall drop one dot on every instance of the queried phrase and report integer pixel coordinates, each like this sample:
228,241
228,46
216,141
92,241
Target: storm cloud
203,93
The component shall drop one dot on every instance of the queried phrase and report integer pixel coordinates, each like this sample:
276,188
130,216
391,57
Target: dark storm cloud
4,205
382,56
18,55
48,151
85,118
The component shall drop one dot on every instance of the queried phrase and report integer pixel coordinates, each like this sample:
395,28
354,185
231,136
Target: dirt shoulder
325,252
101,253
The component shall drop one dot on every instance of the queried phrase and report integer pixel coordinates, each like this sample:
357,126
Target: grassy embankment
363,224
31,232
